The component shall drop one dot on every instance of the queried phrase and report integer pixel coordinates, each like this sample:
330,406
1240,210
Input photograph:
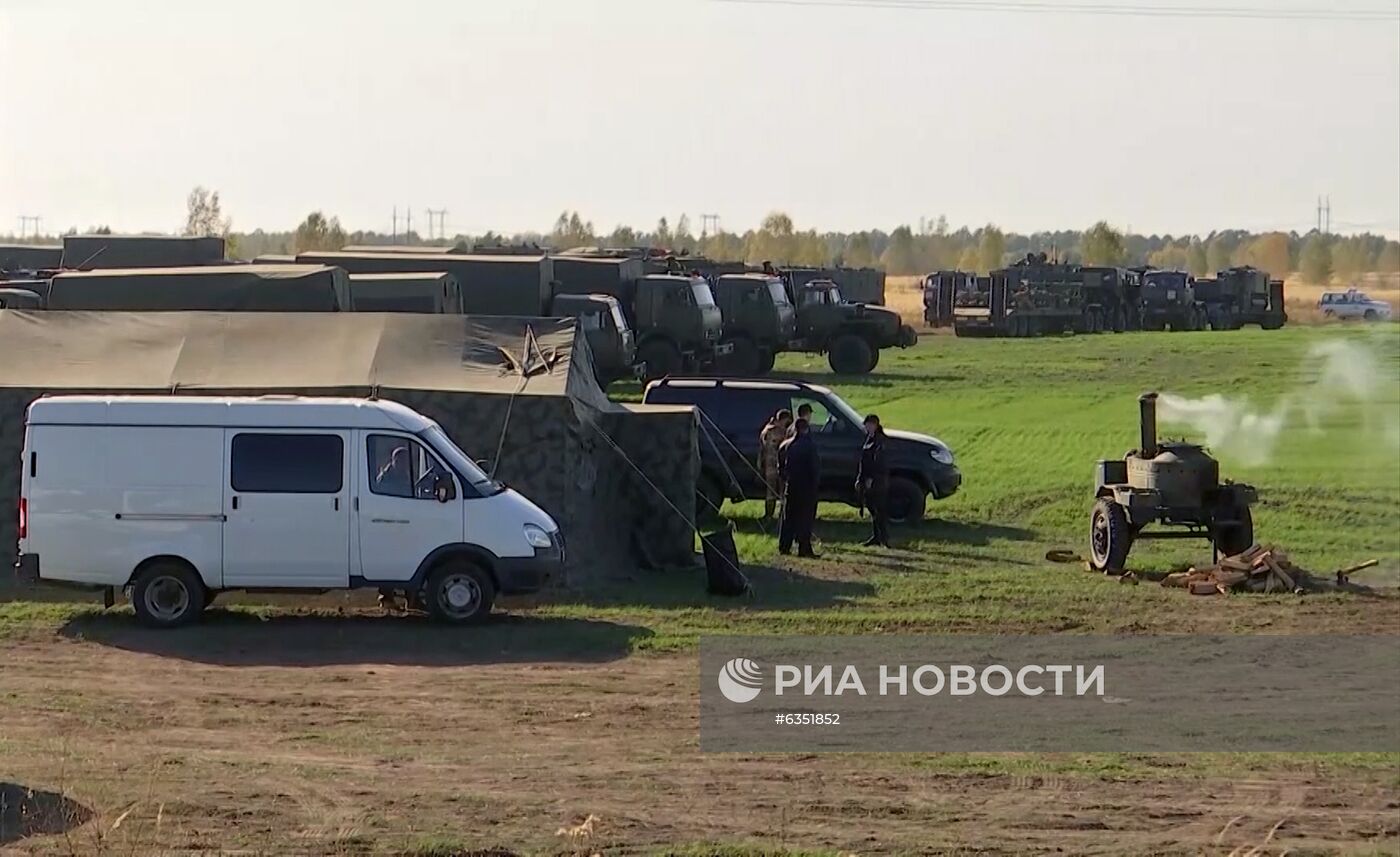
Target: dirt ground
315,734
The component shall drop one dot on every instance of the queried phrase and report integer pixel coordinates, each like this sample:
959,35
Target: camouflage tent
517,393
407,292
94,252
490,284
25,258
262,288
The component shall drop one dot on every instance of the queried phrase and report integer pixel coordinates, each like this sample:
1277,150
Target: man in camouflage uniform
773,435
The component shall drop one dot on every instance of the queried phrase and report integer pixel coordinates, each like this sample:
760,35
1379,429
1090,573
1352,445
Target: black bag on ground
725,575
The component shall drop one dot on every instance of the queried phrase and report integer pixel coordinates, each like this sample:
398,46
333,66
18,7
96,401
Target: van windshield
460,461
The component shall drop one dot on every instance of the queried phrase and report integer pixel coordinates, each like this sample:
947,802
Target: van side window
287,463
399,467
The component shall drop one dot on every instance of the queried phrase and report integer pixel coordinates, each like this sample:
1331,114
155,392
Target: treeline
932,246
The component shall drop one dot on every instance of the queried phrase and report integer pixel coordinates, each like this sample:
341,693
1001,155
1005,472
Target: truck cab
678,324
609,336
759,321
1169,300
851,335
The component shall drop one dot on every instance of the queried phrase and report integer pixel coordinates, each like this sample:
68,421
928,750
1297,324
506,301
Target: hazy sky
504,113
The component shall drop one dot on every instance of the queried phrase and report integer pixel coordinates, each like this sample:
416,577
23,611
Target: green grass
1027,420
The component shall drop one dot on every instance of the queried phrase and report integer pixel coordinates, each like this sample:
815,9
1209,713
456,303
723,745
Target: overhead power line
1132,9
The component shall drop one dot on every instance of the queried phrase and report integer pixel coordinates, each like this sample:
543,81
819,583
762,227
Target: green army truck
759,321
428,292
851,335
1240,296
211,288
1169,301
610,337
677,324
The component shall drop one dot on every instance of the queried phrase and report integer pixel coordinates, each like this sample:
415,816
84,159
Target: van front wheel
459,592
167,595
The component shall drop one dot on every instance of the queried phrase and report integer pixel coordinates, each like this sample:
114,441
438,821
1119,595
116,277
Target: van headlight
536,537
941,454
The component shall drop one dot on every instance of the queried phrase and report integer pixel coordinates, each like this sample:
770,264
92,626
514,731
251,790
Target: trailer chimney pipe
1147,407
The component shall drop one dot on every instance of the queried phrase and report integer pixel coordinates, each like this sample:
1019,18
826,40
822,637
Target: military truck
940,290
98,252
1036,296
20,259
214,288
759,321
609,336
851,335
858,285
430,292
677,324
1240,296
1169,300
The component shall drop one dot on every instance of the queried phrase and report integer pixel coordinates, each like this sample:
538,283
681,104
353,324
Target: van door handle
337,504
388,520
235,502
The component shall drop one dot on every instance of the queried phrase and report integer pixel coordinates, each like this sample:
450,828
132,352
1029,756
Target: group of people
791,466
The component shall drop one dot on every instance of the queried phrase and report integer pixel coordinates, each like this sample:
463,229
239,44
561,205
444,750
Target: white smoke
1336,375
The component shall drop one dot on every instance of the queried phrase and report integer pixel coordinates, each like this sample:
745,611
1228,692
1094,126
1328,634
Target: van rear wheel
167,594
459,592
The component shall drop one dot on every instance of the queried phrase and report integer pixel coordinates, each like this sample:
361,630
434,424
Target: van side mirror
442,489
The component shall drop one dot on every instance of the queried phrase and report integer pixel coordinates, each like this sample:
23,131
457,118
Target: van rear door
287,506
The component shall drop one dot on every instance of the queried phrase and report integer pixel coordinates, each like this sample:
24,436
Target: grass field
324,731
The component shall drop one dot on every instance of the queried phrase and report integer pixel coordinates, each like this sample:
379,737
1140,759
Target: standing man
769,440
804,413
873,482
800,468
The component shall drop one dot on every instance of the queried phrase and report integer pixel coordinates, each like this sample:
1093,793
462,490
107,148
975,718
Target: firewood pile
1262,568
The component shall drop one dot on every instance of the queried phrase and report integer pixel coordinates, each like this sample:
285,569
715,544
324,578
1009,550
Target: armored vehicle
1240,296
759,321
1173,483
1169,300
851,335
212,288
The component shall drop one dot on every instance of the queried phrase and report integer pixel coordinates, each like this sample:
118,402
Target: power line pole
441,215
1327,213
408,227
394,229
709,224
28,220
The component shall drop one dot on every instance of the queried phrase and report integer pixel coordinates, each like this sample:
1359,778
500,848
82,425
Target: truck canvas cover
518,393
490,285
581,275
407,292
243,288
96,252
22,258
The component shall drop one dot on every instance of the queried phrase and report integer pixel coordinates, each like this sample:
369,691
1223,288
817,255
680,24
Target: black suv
920,465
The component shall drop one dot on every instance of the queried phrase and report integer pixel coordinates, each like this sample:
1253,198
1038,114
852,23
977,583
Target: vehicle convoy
503,284
1172,483
1353,304
230,288
676,323
920,466
275,493
1036,296
1169,300
1240,296
759,321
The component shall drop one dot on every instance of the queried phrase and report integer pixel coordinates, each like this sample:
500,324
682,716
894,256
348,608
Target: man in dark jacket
873,482
801,468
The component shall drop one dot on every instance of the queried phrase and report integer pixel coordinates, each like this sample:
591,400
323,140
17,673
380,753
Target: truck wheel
907,500
744,360
766,358
874,359
459,592
1237,537
661,358
167,594
1109,536
850,355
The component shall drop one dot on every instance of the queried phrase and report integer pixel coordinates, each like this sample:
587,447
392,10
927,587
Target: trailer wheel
850,355
1237,537
167,594
1110,539
661,358
460,592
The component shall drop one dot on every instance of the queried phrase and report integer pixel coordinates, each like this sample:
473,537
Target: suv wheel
850,355
907,500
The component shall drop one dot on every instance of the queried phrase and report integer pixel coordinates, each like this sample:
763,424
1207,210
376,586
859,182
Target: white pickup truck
1353,304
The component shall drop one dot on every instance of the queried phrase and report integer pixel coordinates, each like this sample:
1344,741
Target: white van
178,498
